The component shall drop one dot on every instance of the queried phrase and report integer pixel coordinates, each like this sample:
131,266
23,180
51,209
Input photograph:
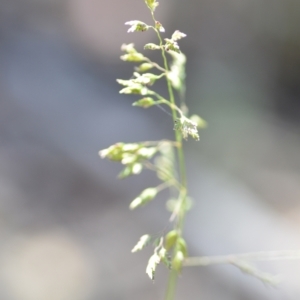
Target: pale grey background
66,232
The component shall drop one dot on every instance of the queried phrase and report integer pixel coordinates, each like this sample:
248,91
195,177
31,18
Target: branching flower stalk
158,156
170,249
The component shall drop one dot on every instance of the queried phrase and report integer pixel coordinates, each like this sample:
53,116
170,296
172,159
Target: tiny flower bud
177,35
143,241
137,26
152,4
146,196
171,239
151,46
159,26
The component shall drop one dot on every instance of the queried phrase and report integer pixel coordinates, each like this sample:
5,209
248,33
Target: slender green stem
172,282
157,66
252,256
163,186
171,105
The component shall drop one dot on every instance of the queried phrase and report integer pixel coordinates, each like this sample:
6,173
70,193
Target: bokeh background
65,229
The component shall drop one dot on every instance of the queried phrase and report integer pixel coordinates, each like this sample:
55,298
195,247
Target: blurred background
65,229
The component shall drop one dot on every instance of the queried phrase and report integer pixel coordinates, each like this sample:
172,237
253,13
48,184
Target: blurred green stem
173,276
